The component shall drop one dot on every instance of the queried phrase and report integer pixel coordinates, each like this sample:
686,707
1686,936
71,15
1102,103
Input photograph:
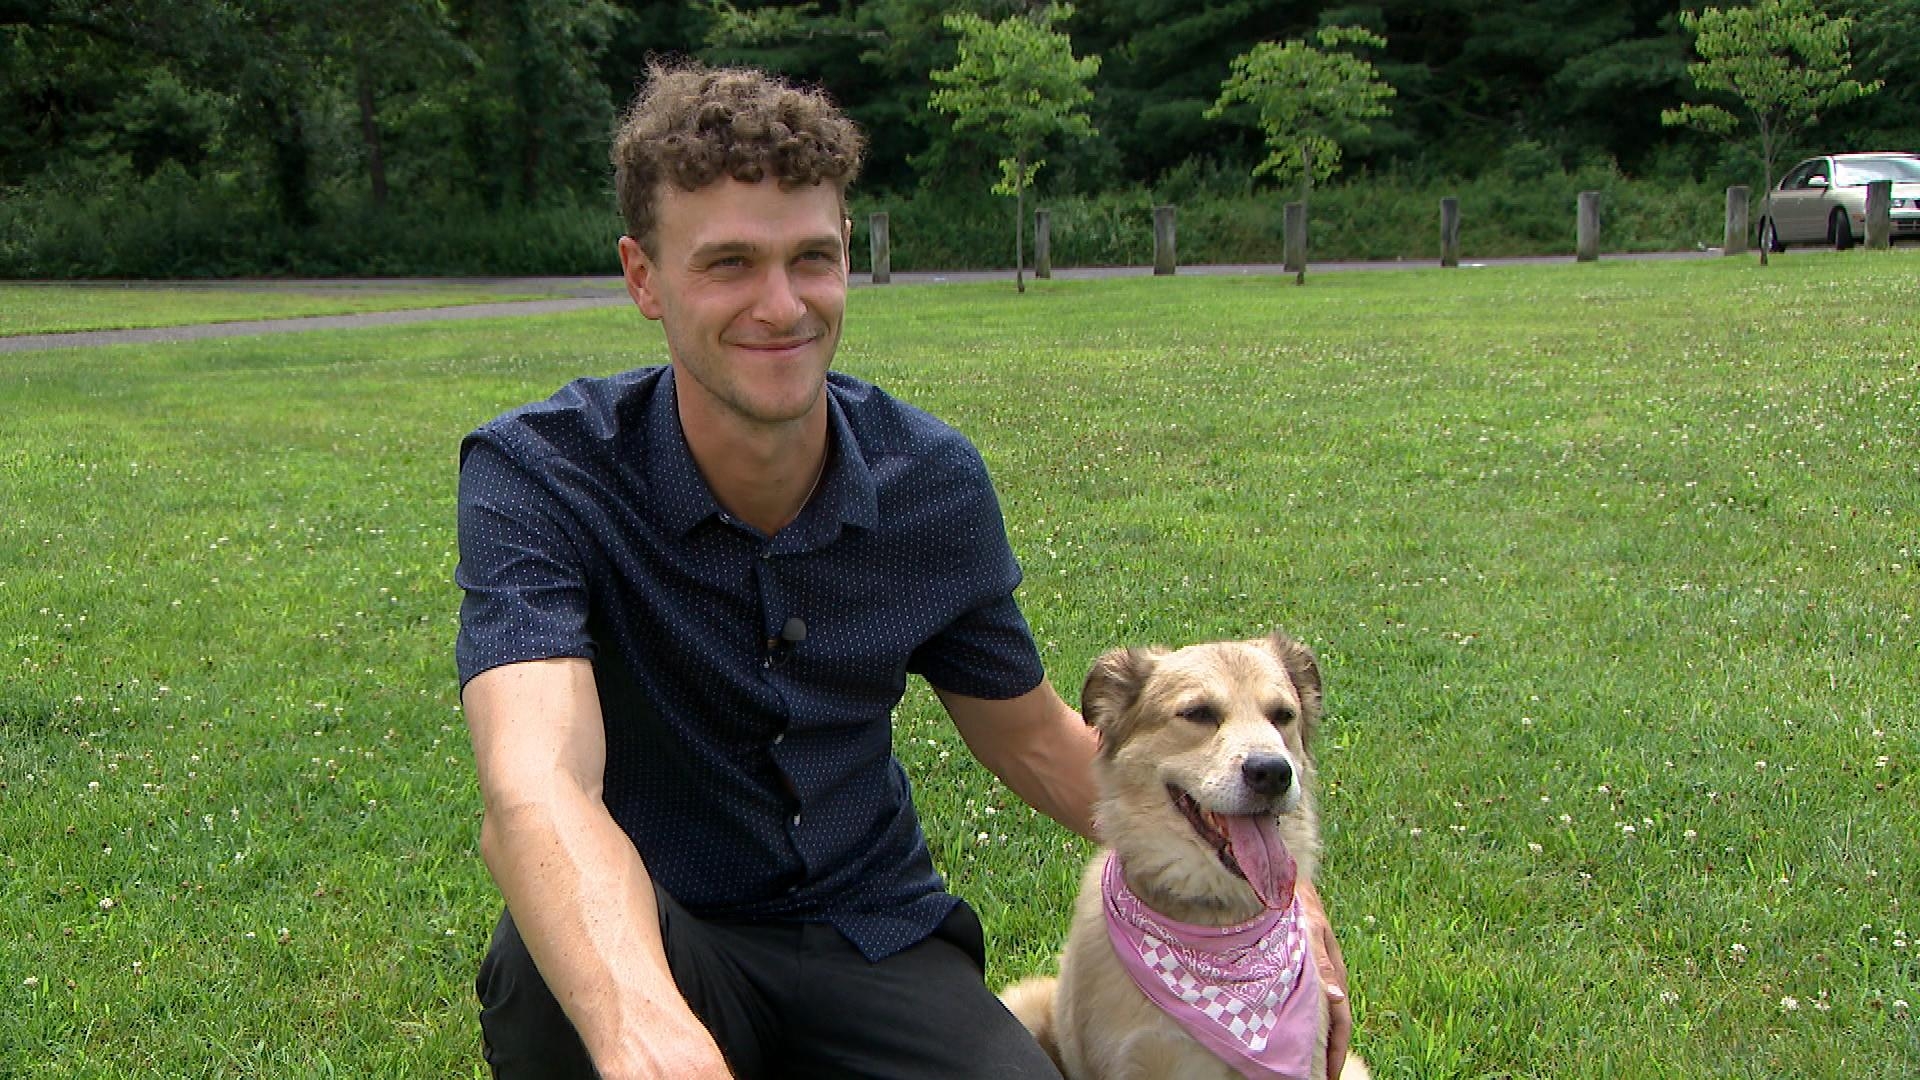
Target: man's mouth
1248,845
775,346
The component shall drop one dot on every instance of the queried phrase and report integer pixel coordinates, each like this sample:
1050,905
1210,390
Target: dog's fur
1181,721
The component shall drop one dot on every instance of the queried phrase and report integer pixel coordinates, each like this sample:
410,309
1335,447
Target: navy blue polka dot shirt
748,682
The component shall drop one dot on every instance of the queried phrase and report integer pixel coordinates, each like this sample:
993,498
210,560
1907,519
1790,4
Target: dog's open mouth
1247,844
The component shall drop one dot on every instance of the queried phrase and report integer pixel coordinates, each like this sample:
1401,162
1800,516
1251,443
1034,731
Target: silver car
1823,200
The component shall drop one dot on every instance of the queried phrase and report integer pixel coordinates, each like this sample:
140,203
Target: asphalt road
579,293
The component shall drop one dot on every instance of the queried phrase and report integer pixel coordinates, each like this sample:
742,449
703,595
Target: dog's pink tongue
1263,857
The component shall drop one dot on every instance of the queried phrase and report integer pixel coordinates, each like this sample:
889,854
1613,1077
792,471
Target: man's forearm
584,904
1038,746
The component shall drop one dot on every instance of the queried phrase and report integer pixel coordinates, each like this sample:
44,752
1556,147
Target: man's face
750,284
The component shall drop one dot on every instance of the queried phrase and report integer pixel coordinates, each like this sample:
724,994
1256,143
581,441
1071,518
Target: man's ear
638,269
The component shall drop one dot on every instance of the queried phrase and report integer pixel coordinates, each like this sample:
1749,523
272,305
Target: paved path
581,293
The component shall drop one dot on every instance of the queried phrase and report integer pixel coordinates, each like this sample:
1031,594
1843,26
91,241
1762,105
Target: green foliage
279,119
1387,216
1307,100
1782,61
1018,81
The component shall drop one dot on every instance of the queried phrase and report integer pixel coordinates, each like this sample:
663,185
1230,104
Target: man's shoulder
885,426
579,421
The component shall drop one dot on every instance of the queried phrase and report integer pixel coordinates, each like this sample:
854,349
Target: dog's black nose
1268,774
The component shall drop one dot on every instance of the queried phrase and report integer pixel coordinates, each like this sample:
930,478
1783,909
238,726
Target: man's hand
690,1055
1333,976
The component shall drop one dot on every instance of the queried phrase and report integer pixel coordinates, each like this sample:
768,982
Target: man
693,596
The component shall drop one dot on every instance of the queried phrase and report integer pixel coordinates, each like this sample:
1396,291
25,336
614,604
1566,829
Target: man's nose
779,304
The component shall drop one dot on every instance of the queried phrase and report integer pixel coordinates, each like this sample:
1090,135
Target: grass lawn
1611,568
42,309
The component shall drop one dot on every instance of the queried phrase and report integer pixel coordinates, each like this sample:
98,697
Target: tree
1307,101
1017,80
1161,66
1784,62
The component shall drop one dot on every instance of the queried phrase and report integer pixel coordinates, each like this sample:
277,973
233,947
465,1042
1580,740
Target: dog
1188,957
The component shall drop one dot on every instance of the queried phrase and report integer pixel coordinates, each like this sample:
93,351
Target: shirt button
796,821
780,738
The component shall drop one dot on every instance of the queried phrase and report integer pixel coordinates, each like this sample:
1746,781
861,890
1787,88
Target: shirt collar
846,494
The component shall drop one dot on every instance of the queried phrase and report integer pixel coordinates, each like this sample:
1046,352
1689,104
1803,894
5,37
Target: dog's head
1206,750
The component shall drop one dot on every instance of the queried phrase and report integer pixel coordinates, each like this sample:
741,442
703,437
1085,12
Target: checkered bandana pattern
1245,992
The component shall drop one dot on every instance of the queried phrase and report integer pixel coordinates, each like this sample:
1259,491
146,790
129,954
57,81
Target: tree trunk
1306,210
288,157
1019,220
1766,179
370,130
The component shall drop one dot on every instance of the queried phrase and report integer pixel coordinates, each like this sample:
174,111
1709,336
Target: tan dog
1187,958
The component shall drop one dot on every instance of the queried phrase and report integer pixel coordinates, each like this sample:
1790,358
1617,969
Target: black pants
785,1000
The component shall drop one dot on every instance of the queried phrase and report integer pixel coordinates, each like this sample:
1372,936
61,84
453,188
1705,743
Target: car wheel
1838,231
1770,237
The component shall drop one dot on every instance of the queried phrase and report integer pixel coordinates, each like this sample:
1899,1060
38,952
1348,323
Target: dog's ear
1111,689
1304,669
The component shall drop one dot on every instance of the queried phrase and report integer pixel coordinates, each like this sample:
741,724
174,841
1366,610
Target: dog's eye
1200,714
1282,716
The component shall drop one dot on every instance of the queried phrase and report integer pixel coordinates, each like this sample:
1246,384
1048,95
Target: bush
175,225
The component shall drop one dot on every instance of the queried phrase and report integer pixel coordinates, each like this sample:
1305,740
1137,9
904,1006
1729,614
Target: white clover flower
1789,1004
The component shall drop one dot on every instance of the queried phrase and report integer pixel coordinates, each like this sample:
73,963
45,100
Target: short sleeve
988,651
525,589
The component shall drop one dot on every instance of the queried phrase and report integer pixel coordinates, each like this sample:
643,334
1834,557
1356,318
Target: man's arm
578,891
1037,745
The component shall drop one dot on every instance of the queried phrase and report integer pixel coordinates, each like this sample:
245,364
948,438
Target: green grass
37,309
1611,569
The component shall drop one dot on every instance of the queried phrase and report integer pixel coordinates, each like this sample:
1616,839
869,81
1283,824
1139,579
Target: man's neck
760,474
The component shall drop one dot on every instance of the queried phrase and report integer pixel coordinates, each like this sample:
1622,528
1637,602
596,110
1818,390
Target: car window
1798,177
1819,170
1854,173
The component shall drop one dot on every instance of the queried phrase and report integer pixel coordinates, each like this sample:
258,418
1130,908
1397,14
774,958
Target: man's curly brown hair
692,125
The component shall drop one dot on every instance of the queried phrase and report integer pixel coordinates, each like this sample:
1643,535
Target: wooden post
1163,235
1735,241
1294,237
1880,214
1587,248
882,247
1450,231
1043,243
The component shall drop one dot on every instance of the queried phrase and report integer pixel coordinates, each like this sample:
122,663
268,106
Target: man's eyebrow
727,249
724,249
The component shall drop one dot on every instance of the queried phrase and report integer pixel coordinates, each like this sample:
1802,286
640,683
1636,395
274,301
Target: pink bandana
1246,992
